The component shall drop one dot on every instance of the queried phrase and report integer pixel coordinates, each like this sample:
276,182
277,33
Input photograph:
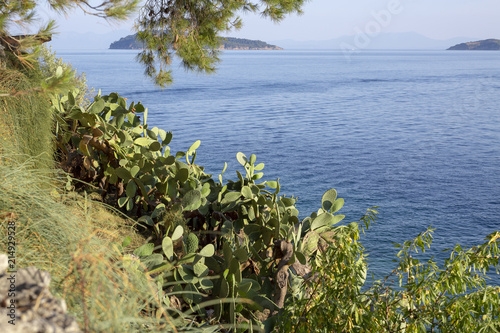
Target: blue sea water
416,133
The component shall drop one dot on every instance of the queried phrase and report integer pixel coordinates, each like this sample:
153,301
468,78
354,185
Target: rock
26,304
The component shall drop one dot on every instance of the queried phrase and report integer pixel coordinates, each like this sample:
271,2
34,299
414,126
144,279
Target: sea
415,133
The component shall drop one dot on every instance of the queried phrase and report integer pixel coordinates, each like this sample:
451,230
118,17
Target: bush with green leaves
417,296
49,66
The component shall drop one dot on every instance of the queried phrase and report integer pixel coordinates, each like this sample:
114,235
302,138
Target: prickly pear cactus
243,239
191,242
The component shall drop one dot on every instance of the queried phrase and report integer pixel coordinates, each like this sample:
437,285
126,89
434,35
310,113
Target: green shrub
49,64
426,297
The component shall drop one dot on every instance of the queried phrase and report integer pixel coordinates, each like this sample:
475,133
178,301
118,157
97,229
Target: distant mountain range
229,43
487,44
71,41
74,41
383,41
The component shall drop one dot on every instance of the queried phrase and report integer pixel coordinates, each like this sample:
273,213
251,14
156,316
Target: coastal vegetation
139,238
130,42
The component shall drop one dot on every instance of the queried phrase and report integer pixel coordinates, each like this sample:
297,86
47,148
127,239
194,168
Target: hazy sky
326,19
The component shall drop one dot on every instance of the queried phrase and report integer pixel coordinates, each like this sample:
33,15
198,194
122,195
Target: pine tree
192,29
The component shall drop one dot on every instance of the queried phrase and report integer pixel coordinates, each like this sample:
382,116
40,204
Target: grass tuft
78,241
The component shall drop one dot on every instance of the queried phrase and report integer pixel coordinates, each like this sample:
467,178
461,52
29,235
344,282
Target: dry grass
78,241
26,121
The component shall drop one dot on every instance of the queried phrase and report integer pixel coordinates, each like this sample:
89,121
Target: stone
26,301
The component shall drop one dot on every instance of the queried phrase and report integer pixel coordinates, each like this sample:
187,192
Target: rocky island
228,43
487,44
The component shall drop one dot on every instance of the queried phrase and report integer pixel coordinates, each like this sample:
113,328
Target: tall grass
25,118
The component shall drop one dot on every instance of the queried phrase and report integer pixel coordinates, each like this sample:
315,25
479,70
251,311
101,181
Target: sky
327,19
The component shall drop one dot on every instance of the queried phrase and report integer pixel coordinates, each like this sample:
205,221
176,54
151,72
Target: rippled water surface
416,133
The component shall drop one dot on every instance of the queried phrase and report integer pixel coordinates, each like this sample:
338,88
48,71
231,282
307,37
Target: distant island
487,44
227,43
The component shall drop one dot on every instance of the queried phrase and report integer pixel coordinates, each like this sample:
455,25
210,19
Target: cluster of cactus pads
235,249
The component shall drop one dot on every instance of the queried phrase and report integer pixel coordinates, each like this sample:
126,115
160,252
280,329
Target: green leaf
310,243
224,288
205,190
234,268
142,141
168,247
328,199
155,146
241,254
193,147
207,251
152,260
84,147
231,197
162,134
131,189
167,139
123,173
59,71
326,220
300,257
200,269
125,138
159,209
188,258
122,201
97,106
129,205
287,202
253,158
183,175
134,170
71,99
191,200
272,184
147,220
141,186
339,203
259,167
126,242
242,159
244,287
152,134
257,176
247,192
186,273
145,250
139,108
122,102
170,160
206,284
178,232
240,177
